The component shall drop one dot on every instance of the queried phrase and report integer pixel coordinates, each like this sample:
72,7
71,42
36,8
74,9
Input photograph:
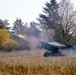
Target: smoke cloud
45,36
70,52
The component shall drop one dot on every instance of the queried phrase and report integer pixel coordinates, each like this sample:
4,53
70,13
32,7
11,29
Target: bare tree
67,22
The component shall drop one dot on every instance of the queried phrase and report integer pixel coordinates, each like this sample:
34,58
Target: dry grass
38,65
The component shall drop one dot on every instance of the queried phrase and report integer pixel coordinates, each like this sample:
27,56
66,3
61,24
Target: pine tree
18,26
50,17
4,24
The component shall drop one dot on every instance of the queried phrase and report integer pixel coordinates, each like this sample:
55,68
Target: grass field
33,63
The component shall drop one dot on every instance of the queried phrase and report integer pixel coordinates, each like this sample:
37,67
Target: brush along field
33,63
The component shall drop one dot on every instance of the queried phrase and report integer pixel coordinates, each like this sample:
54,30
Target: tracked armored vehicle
53,48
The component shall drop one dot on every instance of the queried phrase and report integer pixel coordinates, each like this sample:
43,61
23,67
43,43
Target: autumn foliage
6,43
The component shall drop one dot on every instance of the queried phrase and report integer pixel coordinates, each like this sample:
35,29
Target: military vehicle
53,48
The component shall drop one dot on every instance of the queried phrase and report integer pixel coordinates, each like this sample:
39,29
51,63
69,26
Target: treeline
10,37
61,17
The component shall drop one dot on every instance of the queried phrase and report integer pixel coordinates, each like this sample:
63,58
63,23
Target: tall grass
38,66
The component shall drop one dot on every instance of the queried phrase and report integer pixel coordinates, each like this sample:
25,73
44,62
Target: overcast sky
27,10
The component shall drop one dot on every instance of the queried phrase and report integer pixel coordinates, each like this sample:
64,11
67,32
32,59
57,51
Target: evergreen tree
18,26
50,17
4,24
33,29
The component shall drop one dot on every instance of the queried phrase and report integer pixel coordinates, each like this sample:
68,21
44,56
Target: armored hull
52,48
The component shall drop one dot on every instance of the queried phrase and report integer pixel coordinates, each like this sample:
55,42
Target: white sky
27,10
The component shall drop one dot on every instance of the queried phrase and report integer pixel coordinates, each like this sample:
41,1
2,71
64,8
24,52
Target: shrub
6,43
10,45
